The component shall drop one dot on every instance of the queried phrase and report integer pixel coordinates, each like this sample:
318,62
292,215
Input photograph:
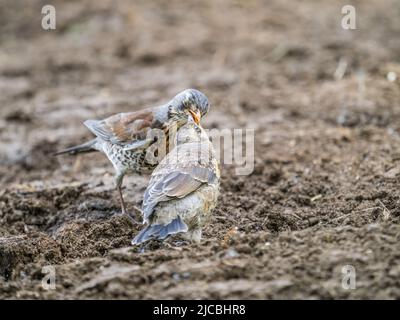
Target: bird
133,141
183,188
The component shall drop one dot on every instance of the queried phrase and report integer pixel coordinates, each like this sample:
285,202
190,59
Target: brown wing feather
176,184
123,128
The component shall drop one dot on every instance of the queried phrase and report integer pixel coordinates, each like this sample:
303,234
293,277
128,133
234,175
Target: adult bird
183,188
134,141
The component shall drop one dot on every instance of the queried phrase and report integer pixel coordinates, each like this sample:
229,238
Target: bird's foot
177,242
137,210
172,246
150,245
129,215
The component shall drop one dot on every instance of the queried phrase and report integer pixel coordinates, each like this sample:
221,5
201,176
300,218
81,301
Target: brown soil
324,192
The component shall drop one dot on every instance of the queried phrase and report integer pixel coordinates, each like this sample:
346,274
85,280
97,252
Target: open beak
196,116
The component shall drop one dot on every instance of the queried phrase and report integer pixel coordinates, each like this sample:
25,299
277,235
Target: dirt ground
324,190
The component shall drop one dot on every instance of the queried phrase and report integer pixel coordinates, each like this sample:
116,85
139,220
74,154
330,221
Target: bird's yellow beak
196,116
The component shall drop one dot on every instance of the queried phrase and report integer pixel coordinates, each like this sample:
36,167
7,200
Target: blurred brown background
324,102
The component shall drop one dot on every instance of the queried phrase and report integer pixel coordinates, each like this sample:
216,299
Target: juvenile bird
183,188
127,138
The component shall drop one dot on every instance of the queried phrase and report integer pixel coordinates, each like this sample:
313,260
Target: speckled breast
128,160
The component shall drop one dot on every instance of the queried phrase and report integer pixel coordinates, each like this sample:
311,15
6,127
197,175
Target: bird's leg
121,199
118,181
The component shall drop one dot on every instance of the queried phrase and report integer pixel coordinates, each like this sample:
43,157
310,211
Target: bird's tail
160,231
85,147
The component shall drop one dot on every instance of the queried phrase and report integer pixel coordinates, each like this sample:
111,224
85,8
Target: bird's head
190,102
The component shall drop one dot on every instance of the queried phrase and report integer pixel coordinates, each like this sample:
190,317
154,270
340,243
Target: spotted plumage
134,141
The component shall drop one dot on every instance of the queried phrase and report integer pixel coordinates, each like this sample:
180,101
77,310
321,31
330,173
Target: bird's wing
123,128
139,144
175,184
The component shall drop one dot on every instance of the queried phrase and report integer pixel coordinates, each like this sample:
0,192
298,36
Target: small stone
391,76
231,253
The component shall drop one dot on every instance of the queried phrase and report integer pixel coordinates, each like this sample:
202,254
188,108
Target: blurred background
255,59
324,103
